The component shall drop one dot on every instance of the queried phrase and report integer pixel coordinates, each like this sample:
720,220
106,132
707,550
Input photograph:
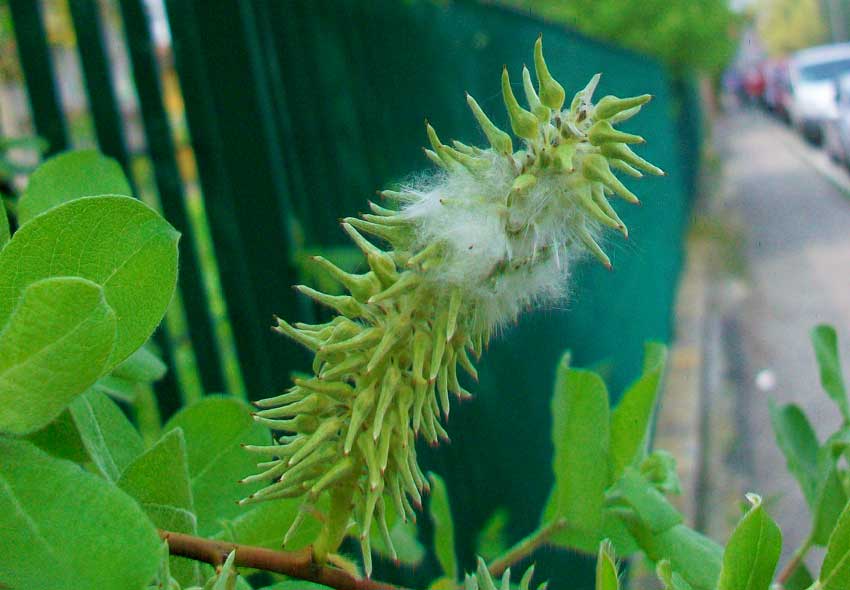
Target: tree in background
683,33
788,25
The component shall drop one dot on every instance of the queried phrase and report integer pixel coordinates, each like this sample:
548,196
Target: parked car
777,89
754,85
836,132
812,73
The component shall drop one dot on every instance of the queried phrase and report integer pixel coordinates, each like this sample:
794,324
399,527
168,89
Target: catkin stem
296,564
333,531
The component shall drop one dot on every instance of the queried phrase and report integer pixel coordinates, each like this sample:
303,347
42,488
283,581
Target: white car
812,74
836,132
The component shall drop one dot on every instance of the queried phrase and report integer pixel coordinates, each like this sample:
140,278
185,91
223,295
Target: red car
754,84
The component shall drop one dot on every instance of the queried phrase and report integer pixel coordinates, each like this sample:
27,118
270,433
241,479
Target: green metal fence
297,111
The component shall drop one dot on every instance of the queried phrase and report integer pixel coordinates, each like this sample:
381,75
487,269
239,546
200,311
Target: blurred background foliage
686,34
788,25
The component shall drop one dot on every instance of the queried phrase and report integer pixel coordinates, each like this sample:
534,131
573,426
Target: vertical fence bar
280,103
234,167
106,113
171,193
100,90
306,109
37,66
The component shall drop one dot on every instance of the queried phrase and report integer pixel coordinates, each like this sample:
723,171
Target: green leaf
659,469
801,579
143,366
214,428
66,529
631,419
696,557
61,439
444,583
26,142
607,575
835,571
57,342
825,342
265,525
116,388
579,413
798,442
830,497
648,503
5,232
404,536
752,552
492,540
614,529
444,530
69,176
118,243
670,579
139,371
409,550
108,436
159,481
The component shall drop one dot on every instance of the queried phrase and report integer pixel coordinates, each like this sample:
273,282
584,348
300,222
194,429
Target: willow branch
526,547
295,564
794,563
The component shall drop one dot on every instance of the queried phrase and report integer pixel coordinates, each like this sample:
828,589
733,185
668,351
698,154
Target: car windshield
824,70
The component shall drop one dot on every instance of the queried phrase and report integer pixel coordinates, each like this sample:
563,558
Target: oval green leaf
631,419
110,440
825,343
159,481
215,428
696,557
143,366
835,570
56,344
444,528
66,529
69,176
580,412
4,225
752,553
116,242
799,443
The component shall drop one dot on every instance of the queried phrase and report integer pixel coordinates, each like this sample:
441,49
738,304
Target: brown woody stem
526,547
295,564
794,563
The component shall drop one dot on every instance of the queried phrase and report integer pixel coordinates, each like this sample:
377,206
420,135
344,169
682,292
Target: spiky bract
492,232
483,580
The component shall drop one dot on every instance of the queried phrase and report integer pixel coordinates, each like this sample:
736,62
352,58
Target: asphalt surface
795,206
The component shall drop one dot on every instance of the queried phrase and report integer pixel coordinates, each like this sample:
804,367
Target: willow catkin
462,251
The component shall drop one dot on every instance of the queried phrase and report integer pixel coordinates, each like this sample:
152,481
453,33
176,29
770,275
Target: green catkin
387,364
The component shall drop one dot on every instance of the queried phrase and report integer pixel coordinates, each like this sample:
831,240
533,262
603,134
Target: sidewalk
746,309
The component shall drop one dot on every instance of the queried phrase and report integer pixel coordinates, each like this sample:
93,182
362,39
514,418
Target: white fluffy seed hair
466,212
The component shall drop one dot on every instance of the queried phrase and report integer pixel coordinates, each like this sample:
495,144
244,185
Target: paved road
798,257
